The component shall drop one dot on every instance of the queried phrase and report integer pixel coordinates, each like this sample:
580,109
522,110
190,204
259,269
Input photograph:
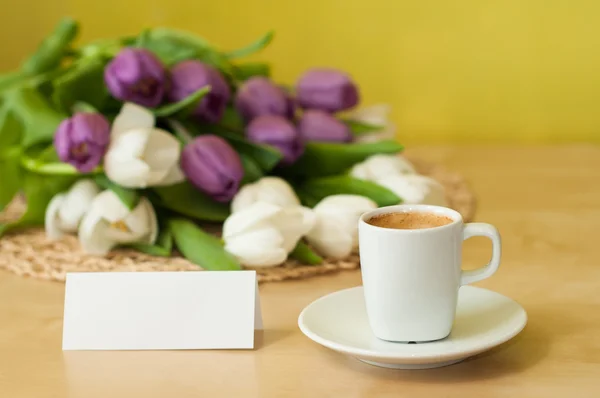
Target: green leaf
173,46
200,247
253,47
52,49
266,156
186,106
39,118
186,200
325,159
44,160
143,40
38,190
252,170
305,254
360,128
11,130
129,197
10,178
248,70
165,238
232,120
10,79
163,246
153,250
319,188
84,107
83,82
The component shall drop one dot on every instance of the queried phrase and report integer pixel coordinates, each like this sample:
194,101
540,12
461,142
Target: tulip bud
108,223
262,234
190,76
316,125
269,189
381,165
136,75
326,89
415,189
335,233
258,96
213,166
279,133
82,140
65,211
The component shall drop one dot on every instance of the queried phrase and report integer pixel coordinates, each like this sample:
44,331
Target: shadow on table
264,338
522,352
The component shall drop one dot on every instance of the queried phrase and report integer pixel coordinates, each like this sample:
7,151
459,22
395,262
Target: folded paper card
161,310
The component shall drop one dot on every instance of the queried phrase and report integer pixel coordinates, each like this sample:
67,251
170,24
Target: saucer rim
415,357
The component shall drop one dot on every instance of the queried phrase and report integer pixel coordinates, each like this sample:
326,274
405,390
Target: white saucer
484,319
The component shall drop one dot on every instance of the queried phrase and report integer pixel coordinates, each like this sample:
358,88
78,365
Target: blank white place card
161,310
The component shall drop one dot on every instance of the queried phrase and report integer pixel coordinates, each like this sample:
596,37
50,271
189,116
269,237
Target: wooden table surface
544,200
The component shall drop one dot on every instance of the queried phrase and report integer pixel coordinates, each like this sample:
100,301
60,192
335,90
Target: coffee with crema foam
409,220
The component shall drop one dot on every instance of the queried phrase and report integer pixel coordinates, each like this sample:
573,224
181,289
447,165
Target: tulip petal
380,166
309,219
130,144
273,190
52,224
330,239
77,202
245,197
248,218
108,206
123,164
131,174
142,222
291,223
162,150
258,248
93,233
413,188
132,117
173,176
375,114
345,210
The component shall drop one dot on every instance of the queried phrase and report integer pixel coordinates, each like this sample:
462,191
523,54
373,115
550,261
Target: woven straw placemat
30,253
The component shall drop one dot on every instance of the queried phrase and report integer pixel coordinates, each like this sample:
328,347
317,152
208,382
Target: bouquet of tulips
144,141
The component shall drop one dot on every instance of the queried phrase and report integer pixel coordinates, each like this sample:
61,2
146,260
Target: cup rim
418,208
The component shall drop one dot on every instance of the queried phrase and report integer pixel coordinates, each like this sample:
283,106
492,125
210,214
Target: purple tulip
258,96
136,75
82,140
190,76
316,125
278,132
326,89
213,166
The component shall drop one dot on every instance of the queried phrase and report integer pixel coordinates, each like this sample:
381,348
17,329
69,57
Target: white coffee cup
411,277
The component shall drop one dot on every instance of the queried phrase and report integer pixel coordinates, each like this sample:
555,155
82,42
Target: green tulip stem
52,168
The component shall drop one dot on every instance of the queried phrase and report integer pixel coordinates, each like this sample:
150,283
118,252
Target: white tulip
376,115
65,210
109,223
139,154
415,189
272,190
335,233
381,165
263,234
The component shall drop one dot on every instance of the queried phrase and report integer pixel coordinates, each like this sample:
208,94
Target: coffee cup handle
482,229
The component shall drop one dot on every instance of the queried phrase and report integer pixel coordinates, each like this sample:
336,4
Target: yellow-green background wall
454,71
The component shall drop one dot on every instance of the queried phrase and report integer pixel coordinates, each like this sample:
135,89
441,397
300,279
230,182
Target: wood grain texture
545,202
